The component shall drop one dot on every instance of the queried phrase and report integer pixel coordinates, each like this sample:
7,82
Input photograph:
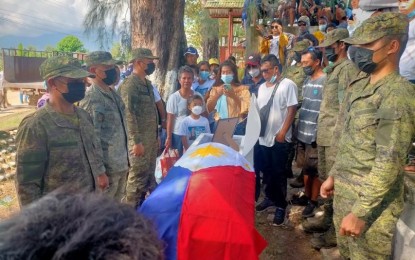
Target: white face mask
197,110
254,72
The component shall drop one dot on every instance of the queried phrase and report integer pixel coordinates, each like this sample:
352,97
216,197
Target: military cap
63,66
100,57
301,45
378,26
141,53
334,36
304,19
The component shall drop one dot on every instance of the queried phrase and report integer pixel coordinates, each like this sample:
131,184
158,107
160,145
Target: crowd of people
334,102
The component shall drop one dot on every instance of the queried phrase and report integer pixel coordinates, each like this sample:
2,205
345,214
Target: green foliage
199,26
50,48
31,51
70,43
119,53
20,49
116,50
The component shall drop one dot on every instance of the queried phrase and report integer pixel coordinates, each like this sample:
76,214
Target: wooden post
230,33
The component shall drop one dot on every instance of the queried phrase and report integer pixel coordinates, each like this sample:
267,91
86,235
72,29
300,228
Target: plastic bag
167,159
157,173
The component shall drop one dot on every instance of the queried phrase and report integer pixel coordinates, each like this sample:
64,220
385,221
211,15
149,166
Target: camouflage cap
141,53
304,19
63,66
301,45
100,58
378,26
334,36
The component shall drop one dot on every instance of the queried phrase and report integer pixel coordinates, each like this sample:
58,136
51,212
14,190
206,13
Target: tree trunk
210,36
159,26
211,48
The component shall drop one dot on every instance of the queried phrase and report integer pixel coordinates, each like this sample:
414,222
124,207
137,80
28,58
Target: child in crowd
194,124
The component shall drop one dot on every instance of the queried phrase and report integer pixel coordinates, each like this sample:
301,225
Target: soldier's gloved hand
102,181
138,150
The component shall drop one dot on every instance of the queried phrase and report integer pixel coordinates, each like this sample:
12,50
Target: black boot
322,223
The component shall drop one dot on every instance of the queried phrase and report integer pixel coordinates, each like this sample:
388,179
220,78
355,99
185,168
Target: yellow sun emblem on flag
206,151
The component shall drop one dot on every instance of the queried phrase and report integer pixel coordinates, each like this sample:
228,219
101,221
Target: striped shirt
310,109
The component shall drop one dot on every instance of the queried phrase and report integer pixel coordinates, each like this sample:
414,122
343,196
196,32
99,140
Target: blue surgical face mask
204,75
227,79
411,15
273,79
322,27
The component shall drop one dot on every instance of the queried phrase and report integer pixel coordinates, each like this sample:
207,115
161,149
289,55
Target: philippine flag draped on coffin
204,208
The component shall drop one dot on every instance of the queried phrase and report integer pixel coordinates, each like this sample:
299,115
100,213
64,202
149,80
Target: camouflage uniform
378,130
142,121
54,149
296,72
339,76
107,111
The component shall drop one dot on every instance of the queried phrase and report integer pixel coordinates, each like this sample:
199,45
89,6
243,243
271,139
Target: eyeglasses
274,27
302,24
265,70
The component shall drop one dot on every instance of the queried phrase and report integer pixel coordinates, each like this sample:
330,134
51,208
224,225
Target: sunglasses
274,27
265,70
301,24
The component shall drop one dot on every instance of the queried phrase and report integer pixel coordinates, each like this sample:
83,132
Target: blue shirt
253,88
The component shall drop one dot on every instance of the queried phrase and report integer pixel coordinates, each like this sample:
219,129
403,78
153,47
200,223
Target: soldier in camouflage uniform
142,121
296,74
339,75
377,133
57,144
107,111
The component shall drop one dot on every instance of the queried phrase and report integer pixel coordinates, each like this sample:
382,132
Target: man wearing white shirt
275,139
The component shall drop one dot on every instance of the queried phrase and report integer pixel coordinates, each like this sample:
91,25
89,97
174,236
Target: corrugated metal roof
224,4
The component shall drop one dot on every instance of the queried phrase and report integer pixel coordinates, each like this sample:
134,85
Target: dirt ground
284,243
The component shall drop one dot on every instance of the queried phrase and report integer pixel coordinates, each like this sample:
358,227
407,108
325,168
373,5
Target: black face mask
308,70
363,58
331,55
76,92
151,67
351,53
110,76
